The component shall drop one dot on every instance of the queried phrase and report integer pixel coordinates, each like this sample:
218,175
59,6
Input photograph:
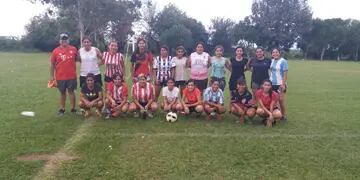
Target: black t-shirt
91,94
243,99
260,70
238,68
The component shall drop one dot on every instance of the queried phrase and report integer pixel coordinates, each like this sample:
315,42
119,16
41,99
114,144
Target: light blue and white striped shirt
277,71
214,96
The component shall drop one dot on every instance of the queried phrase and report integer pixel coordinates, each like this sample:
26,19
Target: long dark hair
137,50
271,90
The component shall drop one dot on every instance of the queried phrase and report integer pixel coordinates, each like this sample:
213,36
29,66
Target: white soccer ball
171,117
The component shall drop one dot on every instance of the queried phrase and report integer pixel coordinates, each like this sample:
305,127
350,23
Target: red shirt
119,94
142,63
64,61
143,94
266,100
192,97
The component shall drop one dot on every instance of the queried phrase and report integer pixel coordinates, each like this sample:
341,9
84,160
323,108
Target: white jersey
170,96
199,66
89,62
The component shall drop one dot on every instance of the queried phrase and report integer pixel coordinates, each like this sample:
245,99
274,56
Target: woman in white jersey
278,77
199,63
89,62
181,73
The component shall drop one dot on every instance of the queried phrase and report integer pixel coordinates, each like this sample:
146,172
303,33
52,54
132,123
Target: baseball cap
64,36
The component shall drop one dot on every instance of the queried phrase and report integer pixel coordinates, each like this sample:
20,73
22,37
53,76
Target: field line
65,153
240,135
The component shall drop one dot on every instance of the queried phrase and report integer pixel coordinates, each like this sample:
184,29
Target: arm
188,62
109,97
151,99
100,98
209,62
52,71
285,78
78,57
172,72
99,56
228,65
264,108
83,98
123,68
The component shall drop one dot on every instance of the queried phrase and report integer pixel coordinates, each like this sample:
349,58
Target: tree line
272,23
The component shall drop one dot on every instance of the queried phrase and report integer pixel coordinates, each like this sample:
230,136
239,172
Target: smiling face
113,47
141,45
260,54
219,52
117,81
215,85
191,86
180,53
163,52
142,81
171,84
239,52
266,86
86,43
90,81
199,48
241,88
276,54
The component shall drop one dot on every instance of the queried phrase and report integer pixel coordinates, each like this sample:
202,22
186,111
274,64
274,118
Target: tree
100,18
280,23
221,33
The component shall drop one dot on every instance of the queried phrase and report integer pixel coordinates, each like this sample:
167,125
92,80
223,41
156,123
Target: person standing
237,68
89,59
278,77
141,61
63,70
181,73
218,63
259,66
114,62
199,63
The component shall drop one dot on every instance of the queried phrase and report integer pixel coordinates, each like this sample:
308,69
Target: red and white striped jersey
113,63
143,94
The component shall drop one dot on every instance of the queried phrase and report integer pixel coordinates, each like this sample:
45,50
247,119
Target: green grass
320,141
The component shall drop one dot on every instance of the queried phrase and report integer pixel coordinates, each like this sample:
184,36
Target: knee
199,108
179,107
132,108
81,104
154,106
125,108
260,111
250,112
277,114
100,104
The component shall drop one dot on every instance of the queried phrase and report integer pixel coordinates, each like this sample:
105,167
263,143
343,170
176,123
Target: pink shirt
199,66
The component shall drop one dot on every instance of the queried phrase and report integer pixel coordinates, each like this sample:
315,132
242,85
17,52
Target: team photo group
179,85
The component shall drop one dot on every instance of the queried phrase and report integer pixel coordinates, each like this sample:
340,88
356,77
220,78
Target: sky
15,14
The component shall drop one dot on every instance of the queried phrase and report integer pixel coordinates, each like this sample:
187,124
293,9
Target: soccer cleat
150,115
61,112
136,115
87,113
73,111
98,113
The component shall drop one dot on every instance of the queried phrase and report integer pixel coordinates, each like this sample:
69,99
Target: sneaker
87,113
73,111
283,119
61,112
136,115
213,114
81,111
98,113
150,115
108,116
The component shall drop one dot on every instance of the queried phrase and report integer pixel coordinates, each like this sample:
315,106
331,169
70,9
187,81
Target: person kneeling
143,98
192,99
214,101
117,95
91,96
241,102
268,100
171,97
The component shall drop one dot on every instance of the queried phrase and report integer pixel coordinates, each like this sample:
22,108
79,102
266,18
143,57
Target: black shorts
221,82
97,80
192,109
108,79
180,84
143,104
201,84
278,89
64,85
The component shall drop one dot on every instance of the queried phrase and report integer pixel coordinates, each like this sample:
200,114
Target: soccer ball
171,117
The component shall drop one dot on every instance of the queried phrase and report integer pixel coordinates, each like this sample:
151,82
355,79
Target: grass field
320,141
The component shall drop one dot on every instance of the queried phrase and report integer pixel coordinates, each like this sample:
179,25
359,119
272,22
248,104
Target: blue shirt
218,67
214,96
277,71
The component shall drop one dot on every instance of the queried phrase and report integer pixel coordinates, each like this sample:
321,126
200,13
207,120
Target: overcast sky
15,14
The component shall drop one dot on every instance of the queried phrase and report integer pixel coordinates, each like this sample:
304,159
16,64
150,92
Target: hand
52,78
271,118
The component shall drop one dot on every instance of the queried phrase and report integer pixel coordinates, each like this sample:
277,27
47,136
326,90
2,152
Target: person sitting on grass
91,96
117,96
267,101
143,98
192,99
242,103
214,101
171,97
